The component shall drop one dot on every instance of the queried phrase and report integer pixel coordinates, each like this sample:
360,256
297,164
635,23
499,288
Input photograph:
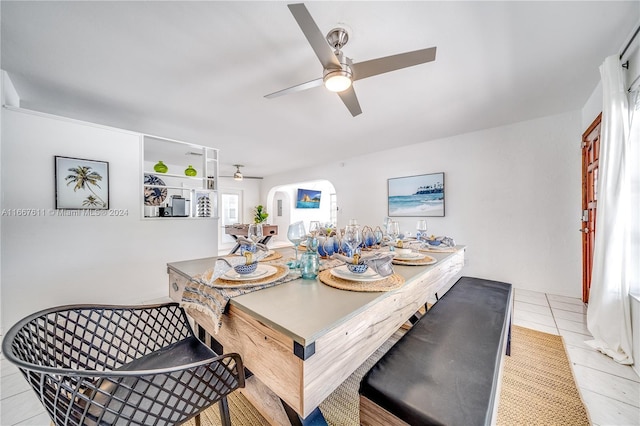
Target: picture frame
308,199
81,184
416,196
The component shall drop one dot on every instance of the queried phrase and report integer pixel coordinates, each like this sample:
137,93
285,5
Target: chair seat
177,354
141,392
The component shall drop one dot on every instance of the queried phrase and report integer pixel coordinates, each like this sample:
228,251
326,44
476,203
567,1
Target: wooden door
590,153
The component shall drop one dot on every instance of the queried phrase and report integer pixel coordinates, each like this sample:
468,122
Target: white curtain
609,311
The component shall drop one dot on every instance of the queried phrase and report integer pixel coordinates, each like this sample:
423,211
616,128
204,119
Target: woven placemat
273,256
437,250
389,283
281,272
428,260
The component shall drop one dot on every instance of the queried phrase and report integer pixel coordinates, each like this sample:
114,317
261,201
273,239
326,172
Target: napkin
445,241
225,264
379,262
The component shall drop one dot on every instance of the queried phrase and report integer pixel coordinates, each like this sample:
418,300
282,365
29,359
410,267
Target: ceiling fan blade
314,36
299,88
351,101
391,63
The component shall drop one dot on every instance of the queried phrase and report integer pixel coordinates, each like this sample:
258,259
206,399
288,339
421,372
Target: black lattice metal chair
124,365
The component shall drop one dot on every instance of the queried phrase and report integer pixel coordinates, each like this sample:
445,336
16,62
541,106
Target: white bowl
403,251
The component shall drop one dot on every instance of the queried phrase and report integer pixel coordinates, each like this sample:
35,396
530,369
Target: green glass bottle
190,171
160,167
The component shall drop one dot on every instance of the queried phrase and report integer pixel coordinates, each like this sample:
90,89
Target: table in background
268,231
302,339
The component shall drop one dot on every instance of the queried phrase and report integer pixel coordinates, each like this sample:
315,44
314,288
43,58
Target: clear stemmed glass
314,228
254,232
296,233
393,230
353,238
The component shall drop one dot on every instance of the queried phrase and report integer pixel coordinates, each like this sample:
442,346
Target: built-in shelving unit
173,194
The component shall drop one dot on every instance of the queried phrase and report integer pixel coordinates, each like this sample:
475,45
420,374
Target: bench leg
508,352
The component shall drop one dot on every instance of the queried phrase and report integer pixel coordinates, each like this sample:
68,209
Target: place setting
406,256
361,273
246,269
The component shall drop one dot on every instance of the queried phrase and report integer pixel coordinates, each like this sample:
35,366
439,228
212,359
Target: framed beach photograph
81,184
415,196
308,199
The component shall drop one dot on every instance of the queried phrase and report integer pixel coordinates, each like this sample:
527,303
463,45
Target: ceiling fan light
237,175
337,81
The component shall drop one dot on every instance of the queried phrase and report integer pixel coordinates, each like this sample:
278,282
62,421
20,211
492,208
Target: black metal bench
446,369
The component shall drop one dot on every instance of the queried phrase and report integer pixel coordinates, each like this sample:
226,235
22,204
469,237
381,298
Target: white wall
49,260
512,196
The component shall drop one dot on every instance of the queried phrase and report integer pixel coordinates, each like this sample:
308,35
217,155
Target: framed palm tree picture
81,184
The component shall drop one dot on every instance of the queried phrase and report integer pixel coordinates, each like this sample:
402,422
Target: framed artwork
308,199
421,195
81,184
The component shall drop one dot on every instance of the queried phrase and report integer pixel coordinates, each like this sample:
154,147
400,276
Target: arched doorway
282,203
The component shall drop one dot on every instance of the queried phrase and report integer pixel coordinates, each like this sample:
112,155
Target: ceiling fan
238,174
340,71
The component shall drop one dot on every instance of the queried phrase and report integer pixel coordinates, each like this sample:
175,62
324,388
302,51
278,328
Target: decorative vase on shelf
190,171
160,167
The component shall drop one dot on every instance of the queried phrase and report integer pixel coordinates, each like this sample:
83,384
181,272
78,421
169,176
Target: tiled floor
611,392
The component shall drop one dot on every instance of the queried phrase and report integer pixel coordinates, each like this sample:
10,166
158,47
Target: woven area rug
538,388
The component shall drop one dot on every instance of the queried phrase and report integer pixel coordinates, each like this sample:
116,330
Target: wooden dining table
301,339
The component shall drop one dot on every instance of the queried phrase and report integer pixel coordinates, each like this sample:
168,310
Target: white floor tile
568,307
575,339
572,316
607,411
623,390
40,420
596,360
576,327
565,299
19,407
535,326
519,306
7,368
533,317
13,384
531,297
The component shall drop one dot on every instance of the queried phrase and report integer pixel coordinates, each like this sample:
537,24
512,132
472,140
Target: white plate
262,271
410,256
346,274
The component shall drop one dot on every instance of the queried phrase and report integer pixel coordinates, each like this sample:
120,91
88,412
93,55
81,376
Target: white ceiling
198,71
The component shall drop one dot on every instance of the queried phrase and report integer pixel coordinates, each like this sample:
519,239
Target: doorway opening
285,209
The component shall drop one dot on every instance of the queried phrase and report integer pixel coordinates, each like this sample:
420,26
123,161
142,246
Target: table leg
314,419
236,247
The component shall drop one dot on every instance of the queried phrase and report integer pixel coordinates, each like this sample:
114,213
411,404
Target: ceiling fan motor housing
338,37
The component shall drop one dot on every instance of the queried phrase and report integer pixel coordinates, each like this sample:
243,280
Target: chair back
90,364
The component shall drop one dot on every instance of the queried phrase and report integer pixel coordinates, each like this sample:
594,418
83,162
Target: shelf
177,156
178,176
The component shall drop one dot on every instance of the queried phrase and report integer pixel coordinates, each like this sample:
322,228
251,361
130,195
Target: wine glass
296,233
421,227
314,227
352,237
393,230
254,232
